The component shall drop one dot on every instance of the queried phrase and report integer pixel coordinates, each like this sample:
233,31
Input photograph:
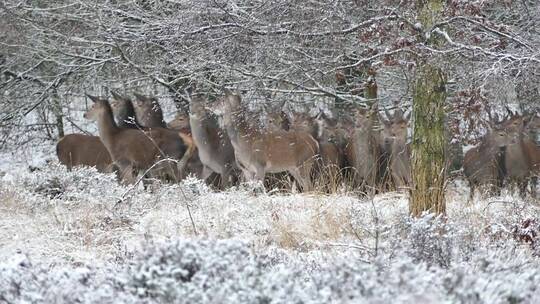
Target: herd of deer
220,138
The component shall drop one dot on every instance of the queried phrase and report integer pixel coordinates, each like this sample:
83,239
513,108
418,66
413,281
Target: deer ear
93,98
227,91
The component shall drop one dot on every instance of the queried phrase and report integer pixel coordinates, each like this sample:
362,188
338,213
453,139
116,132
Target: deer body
362,151
485,164
214,147
395,149
83,150
260,153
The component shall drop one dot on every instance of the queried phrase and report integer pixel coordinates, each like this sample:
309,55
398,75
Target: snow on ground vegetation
68,237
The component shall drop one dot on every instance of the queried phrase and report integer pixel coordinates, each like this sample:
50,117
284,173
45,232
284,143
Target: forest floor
80,237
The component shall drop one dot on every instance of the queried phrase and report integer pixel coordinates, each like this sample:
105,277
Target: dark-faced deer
148,111
260,153
394,144
485,163
362,150
133,151
83,150
214,146
124,112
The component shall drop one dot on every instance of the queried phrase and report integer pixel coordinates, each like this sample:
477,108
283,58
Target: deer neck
202,126
107,127
400,149
516,153
237,126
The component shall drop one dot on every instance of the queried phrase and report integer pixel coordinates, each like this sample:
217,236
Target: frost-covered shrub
230,271
194,272
429,240
21,282
82,184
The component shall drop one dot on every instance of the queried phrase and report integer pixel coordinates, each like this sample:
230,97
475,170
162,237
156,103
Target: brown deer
485,164
214,146
194,165
362,151
83,150
394,145
517,158
148,111
260,153
87,150
180,123
330,158
127,116
522,158
276,121
133,151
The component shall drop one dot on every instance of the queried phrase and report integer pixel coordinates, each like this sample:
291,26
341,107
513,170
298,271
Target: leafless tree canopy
306,53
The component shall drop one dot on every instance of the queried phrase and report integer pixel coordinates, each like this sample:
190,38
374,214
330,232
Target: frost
80,237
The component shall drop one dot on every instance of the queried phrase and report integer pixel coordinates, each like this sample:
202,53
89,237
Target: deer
258,153
325,131
133,151
180,123
276,121
148,111
484,165
88,150
393,143
84,150
124,112
533,149
362,150
130,119
214,146
522,158
518,158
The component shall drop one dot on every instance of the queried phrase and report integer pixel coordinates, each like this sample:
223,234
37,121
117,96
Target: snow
78,236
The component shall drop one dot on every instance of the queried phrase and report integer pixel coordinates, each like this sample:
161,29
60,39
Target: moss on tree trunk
428,144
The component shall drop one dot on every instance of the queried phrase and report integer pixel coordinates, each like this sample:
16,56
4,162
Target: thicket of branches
307,53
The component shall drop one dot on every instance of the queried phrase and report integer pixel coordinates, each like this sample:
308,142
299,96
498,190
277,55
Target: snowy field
79,237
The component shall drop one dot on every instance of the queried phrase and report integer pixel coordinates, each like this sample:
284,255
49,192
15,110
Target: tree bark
59,116
428,144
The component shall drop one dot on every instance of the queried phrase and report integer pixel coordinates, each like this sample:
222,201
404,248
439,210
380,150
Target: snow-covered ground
78,236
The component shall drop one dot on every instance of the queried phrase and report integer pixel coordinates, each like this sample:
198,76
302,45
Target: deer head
395,127
97,109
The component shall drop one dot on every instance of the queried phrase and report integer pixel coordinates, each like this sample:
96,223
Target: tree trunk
59,116
428,144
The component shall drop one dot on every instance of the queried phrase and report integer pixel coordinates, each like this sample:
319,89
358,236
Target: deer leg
226,177
522,185
302,175
471,193
206,172
128,176
534,181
